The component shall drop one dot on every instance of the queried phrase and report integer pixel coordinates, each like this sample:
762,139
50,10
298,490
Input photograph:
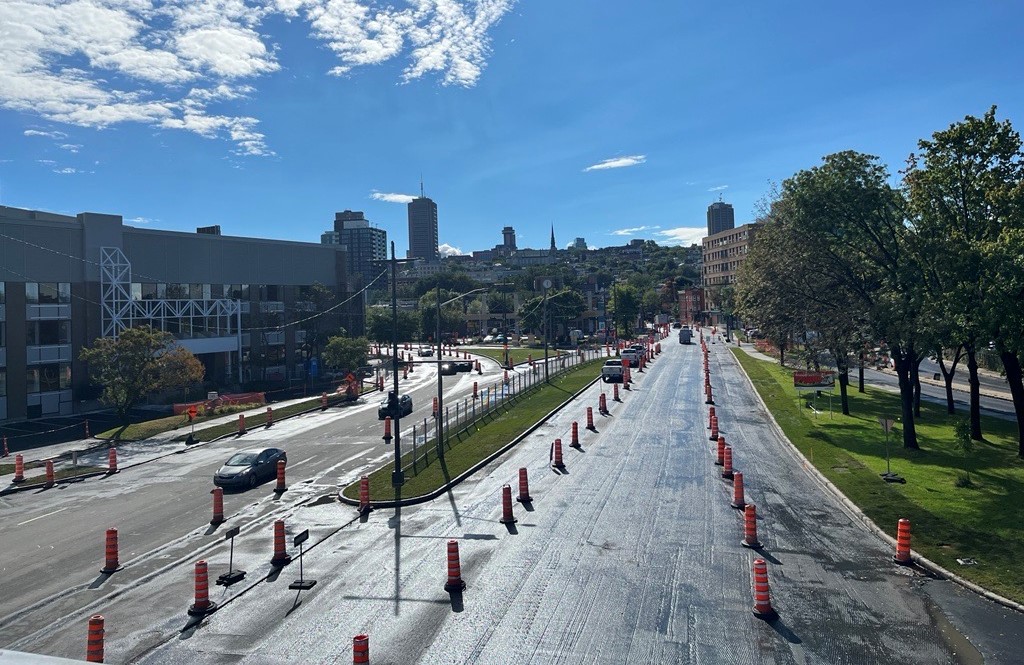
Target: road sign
886,424
300,538
192,412
314,367
350,378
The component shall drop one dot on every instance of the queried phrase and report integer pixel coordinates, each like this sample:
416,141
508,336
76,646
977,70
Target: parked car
488,339
464,365
426,351
447,369
248,468
404,408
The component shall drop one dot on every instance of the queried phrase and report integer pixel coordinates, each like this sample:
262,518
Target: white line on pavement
42,516
292,466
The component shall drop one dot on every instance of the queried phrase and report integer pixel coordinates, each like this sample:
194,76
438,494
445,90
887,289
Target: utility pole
439,424
394,405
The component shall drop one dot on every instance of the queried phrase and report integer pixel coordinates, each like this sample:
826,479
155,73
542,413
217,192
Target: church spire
553,247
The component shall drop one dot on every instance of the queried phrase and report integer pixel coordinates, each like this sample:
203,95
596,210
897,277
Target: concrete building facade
234,302
723,255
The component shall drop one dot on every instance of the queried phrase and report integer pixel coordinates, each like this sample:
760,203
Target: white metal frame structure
119,310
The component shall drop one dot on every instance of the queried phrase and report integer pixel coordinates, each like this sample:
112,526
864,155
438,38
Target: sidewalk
961,371
93,451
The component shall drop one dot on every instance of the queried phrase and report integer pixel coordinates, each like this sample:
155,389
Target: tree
452,314
857,221
346,353
139,361
380,324
320,299
624,309
179,368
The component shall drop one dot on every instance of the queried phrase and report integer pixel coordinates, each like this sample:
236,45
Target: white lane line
292,466
41,516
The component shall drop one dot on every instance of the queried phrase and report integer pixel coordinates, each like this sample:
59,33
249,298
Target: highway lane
633,555
52,547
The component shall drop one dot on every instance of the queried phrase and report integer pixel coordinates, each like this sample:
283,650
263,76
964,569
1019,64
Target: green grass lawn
984,522
490,436
516,355
67,472
141,431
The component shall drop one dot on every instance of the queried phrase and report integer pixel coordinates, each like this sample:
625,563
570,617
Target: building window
47,293
177,291
3,334
3,381
48,333
195,291
49,378
216,291
136,291
2,293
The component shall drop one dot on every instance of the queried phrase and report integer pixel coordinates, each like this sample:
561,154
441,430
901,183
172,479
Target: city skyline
269,117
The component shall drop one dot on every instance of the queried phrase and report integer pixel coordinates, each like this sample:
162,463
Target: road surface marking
41,516
302,462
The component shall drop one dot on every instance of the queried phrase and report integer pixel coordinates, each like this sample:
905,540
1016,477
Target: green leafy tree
964,441
452,314
180,369
624,309
380,324
346,353
139,361
964,189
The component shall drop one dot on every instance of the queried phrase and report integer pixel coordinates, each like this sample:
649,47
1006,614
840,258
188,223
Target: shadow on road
456,601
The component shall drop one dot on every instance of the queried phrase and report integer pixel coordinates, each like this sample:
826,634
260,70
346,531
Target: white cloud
71,147
98,63
617,163
391,197
632,231
66,171
140,220
48,162
444,249
683,235
52,135
718,188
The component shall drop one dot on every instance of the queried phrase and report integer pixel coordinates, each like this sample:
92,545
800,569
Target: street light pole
439,424
394,406
545,334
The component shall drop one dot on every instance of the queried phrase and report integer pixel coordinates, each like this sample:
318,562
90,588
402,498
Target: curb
423,498
13,489
855,510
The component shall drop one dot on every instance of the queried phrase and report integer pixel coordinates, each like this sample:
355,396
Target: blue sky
610,120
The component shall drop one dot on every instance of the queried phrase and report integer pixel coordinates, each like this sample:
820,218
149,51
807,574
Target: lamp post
546,284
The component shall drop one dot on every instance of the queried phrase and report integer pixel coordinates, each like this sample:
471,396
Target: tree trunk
972,379
947,375
915,379
782,354
844,380
1011,363
860,374
904,359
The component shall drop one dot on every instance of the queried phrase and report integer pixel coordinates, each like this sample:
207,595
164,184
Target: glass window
49,378
2,293
177,291
161,291
3,381
3,333
136,291
48,333
243,291
195,291
206,292
32,292
48,293
216,290
149,291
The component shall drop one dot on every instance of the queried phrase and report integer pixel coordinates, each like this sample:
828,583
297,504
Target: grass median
516,355
487,437
144,430
982,521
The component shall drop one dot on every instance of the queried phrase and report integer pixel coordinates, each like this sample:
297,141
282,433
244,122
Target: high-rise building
579,243
365,245
720,218
724,253
422,228
508,239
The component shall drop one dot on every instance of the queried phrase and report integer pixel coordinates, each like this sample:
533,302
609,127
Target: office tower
422,228
720,217
365,245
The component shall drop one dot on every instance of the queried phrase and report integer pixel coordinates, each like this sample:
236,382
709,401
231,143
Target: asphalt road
53,540
631,555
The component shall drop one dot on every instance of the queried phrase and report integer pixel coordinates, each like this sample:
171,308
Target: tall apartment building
422,228
724,252
365,246
720,217
234,302
508,239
